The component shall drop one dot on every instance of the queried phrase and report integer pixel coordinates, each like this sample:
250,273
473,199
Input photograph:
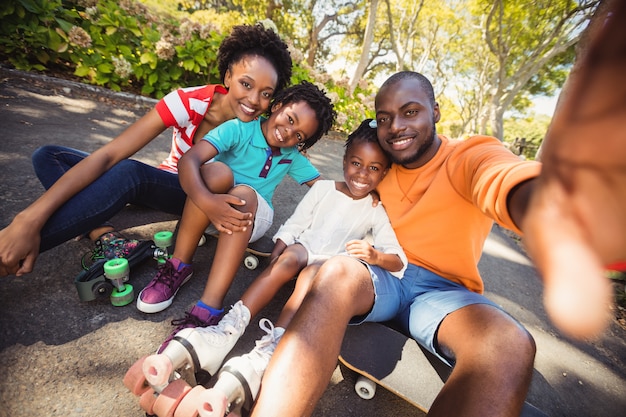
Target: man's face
406,123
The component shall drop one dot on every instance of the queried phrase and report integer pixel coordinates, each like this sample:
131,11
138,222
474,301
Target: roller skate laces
196,317
260,356
215,341
160,292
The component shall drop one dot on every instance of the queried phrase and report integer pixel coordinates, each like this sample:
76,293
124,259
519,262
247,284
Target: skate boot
91,282
201,348
239,380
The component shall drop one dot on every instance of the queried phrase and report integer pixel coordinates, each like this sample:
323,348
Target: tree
524,41
366,48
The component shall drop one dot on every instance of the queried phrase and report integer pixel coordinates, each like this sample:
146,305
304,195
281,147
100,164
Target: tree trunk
368,37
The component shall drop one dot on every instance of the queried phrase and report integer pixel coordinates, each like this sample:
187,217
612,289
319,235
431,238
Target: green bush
123,46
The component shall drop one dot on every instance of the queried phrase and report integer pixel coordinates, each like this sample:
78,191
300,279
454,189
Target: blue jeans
129,181
418,303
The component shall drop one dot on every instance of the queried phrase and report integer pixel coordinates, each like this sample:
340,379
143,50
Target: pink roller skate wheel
157,369
134,379
188,407
167,401
212,403
146,401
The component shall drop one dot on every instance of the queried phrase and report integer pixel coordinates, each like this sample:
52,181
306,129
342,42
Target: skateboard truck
117,271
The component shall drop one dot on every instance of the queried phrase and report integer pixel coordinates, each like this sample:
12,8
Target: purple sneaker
197,317
160,292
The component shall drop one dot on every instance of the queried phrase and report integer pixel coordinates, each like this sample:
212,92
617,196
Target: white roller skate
201,348
239,380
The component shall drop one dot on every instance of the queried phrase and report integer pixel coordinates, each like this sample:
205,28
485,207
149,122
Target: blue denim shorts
418,302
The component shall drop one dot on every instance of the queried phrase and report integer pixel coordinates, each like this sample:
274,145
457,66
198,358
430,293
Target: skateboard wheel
212,403
188,407
365,388
202,241
146,401
135,380
157,369
125,296
251,262
167,401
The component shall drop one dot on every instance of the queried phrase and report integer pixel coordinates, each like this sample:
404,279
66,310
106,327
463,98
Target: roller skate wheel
157,369
116,268
102,289
188,407
163,239
146,401
212,403
251,262
365,388
125,296
167,401
135,380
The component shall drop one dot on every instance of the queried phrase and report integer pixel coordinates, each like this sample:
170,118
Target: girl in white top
333,218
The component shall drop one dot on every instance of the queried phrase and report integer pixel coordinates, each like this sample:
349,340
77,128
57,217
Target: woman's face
251,83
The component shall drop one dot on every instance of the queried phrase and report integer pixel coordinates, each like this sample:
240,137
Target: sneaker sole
158,307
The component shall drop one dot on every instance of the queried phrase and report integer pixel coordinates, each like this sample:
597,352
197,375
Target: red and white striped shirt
184,109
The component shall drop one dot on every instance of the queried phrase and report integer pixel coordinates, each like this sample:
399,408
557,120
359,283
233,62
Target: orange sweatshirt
443,211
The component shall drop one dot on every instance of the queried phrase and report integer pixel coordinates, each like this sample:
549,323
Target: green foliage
531,128
119,46
124,46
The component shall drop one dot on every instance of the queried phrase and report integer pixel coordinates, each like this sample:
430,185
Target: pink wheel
212,403
157,369
134,379
146,401
188,407
167,401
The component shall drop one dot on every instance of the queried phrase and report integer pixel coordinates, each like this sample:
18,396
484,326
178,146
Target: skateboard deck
383,356
261,248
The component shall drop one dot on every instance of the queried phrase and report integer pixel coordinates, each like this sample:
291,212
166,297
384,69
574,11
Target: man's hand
576,220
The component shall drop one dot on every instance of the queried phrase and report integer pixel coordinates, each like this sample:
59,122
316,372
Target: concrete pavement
60,356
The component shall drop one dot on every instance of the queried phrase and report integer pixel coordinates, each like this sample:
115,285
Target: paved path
59,356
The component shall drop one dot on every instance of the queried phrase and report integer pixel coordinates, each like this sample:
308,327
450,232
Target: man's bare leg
494,363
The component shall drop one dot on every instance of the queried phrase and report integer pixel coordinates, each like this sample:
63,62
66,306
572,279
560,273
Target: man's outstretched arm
575,224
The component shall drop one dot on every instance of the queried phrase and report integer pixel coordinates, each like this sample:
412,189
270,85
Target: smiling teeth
279,136
402,141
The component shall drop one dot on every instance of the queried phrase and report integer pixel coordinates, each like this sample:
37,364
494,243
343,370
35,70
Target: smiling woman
85,190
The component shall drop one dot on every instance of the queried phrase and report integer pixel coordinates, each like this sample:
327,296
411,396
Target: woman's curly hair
317,100
256,40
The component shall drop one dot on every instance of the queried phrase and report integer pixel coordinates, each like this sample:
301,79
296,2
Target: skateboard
381,355
261,248
108,278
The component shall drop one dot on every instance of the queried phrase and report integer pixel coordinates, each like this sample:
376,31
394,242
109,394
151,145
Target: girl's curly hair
256,40
317,100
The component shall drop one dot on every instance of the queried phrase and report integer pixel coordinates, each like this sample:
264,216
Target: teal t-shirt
243,148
